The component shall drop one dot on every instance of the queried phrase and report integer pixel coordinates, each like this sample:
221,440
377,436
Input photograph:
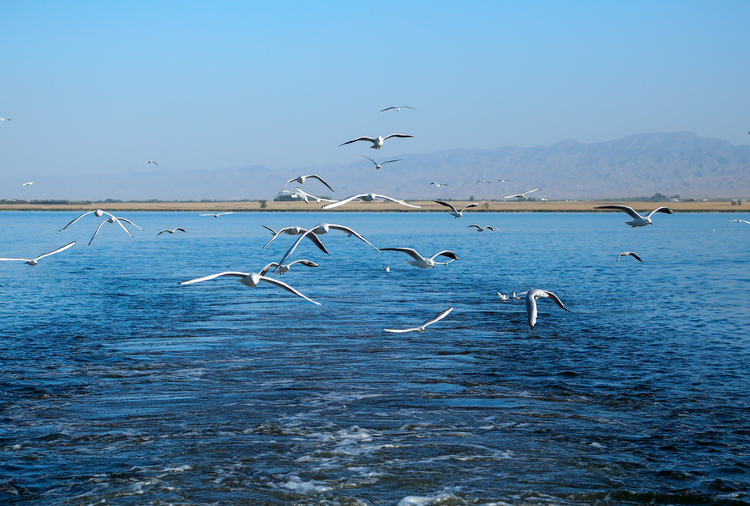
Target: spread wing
627,209
345,201
409,251
469,205
307,263
446,253
557,300
128,221
286,287
363,138
233,274
269,228
267,268
350,232
662,209
315,176
58,250
81,216
439,317
395,201
97,231
400,331
446,204
397,135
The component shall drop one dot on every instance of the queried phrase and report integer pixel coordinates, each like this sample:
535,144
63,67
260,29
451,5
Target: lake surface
119,386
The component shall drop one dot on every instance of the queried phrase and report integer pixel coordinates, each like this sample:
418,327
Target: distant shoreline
427,206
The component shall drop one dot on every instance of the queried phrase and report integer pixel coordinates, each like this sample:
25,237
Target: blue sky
100,87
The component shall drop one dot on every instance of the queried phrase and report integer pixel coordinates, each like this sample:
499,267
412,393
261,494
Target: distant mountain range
679,163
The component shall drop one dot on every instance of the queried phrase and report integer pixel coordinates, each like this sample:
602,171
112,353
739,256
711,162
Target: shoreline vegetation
427,206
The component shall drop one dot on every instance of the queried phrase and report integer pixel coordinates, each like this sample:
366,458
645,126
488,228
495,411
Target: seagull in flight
283,269
296,231
378,165
503,297
398,108
377,143
114,219
628,254
638,220
34,261
28,184
454,212
323,228
368,197
531,297
250,279
151,161
481,229
423,327
440,184
218,214
172,231
304,195
8,119
422,262
503,180
483,181
742,221
301,180
520,196
98,213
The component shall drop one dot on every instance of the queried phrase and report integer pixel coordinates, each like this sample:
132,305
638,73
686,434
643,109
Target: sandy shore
427,206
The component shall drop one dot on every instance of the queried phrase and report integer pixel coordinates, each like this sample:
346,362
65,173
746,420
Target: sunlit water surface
119,386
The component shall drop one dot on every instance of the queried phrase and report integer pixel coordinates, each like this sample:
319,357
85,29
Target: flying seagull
503,297
531,297
250,279
323,228
377,143
481,229
483,181
378,165
28,184
520,196
423,327
440,184
98,213
742,221
628,254
283,269
218,214
638,220
151,161
368,197
503,180
455,213
33,261
301,180
305,196
398,108
296,231
422,262
8,119
172,231
114,219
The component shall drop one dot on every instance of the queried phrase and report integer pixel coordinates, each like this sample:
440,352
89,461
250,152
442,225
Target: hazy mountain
640,165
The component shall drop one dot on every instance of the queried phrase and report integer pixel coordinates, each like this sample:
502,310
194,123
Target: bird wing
530,191
345,201
388,109
286,287
276,234
315,176
474,204
81,216
445,253
350,232
128,221
557,300
395,200
233,274
317,199
490,228
363,138
662,209
97,231
58,250
636,257
117,220
317,242
627,209
477,226
373,161
446,204
269,228
396,135
439,317
391,161
230,212
409,251
307,263
401,331
165,230
267,268
21,259
180,229
294,246
517,195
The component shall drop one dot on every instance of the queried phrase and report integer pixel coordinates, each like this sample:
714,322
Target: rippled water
119,386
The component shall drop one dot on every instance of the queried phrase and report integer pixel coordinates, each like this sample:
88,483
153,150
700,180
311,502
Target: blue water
119,386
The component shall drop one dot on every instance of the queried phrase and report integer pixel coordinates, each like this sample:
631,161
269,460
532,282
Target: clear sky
101,87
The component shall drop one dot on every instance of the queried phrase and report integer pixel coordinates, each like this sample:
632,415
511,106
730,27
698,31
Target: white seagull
638,220
398,108
304,195
440,184
378,165
33,261
8,119
503,297
503,180
28,184
628,254
423,327
218,214
481,229
172,231
283,269
377,143
151,161
98,213
296,231
114,219
323,228
422,262
531,297
454,212
742,221
483,181
301,180
250,279
520,196
368,197
387,268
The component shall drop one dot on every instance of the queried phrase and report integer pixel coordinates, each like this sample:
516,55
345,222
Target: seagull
440,184
423,327
481,229
323,228
531,297
368,197
519,296
98,213
303,194
172,231
483,181
398,108
742,221
378,165
503,297
296,231
301,180
217,215
250,279
28,184
638,220
503,180
283,269
114,219
422,262
387,268
8,119
33,261
454,212
377,143
520,196
629,254
151,161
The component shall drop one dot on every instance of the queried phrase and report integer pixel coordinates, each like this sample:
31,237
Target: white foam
180,469
295,483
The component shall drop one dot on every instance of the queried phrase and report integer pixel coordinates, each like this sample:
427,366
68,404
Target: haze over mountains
639,165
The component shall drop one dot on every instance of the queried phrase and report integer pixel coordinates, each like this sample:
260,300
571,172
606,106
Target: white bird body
378,165
638,220
217,214
321,229
34,261
531,297
250,279
422,262
628,254
454,212
302,179
481,229
423,327
368,197
520,196
377,142
172,231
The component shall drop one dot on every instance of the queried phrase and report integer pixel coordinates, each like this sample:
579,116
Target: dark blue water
119,386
